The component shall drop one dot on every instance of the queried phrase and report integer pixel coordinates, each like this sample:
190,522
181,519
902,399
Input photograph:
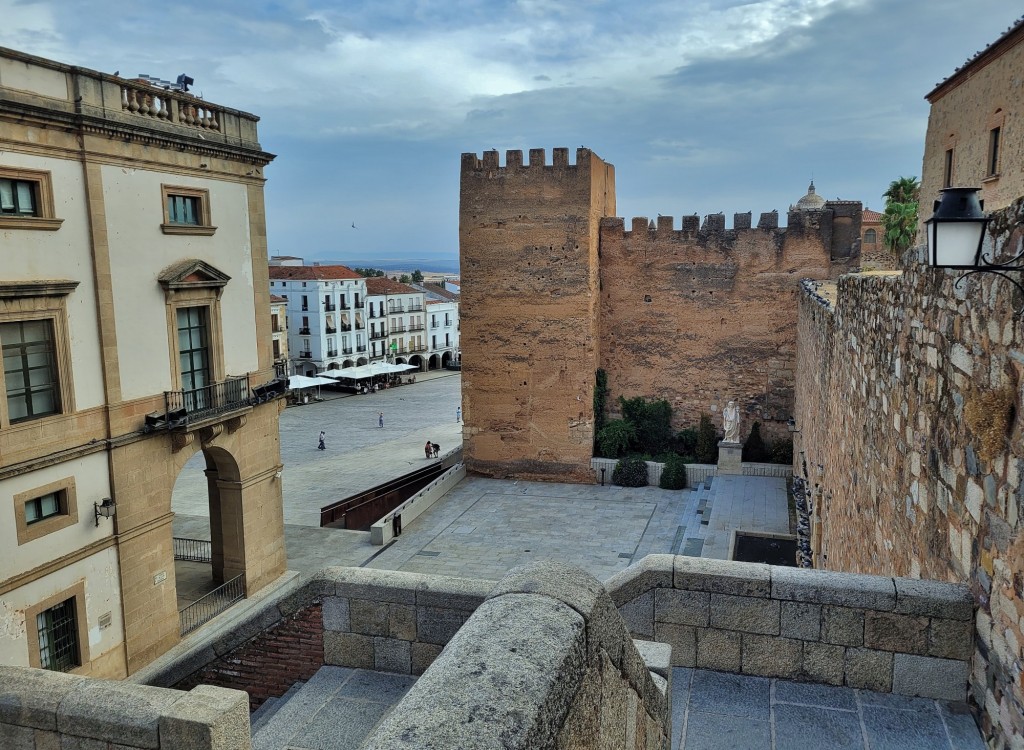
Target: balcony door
194,356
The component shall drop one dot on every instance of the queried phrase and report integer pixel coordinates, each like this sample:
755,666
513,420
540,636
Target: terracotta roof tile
384,285
867,215
312,273
277,299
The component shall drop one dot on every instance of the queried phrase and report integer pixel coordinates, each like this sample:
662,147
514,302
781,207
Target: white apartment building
397,316
442,333
326,316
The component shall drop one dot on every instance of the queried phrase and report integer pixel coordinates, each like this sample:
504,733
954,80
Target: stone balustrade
145,100
900,635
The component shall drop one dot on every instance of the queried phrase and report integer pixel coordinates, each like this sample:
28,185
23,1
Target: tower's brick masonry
554,287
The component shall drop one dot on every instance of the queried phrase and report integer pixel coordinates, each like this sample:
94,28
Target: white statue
731,423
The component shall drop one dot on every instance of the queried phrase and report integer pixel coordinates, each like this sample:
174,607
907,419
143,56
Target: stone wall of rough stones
908,404
880,633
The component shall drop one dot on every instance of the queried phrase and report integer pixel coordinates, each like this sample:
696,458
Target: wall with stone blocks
888,634
44,709
695,473
909,399
551,631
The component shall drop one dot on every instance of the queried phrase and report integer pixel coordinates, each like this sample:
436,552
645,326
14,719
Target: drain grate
425,553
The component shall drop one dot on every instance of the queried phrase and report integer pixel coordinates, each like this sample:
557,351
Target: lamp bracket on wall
1002,270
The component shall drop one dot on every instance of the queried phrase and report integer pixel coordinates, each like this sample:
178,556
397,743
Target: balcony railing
198,404
330,307
331,330
209,606
360,325
416,327
193,550
304,331
305,308
343,304
395,309
346,349
416,349
305,355
375,334
398,329
361,348
415,308
276,328
332,352
346,326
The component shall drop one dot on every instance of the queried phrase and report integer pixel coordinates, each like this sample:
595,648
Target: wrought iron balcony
304,331
398,328
305,355
416,327
343,304
346,326
346,350
330,307
415,308
185,408
375,334
360,325
331,330
332,352
361,348
416,349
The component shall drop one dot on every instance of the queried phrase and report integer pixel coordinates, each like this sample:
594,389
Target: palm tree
900,217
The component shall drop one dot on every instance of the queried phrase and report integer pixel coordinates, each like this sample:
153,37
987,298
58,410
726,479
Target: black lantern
957,229
105,509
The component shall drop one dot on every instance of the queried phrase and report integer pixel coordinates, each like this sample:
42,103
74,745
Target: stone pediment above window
37,288
192,274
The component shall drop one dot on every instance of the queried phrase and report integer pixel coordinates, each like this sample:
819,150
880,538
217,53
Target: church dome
810,202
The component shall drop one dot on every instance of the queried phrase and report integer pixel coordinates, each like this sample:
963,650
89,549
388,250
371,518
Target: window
30,369
26,200
186,211
993,152
947,180
57,630
869,237
40,508
193,352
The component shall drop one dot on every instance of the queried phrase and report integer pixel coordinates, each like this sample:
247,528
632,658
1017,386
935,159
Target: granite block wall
908,405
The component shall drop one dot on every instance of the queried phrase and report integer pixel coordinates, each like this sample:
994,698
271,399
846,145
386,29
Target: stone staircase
336,709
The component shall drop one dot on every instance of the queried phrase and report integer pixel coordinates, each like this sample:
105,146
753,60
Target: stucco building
974,134
119,365
397,313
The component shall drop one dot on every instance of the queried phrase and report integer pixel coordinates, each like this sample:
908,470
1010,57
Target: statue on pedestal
731,423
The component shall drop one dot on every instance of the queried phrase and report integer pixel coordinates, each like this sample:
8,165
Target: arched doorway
434,362
446,359
361,361
333,366
416,360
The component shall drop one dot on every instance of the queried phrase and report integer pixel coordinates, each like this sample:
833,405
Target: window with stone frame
26,199
57,633
186,211
31,376
45,506
993,151
870,237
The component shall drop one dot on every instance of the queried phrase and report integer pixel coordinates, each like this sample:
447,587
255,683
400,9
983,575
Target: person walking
458,414
380,420
428,449
322,445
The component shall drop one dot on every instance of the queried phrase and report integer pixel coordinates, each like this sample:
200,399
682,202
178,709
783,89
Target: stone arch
417,360
334,366
347,364
446,359
434,362
361,361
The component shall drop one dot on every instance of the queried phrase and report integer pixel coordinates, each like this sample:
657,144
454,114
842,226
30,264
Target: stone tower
528,238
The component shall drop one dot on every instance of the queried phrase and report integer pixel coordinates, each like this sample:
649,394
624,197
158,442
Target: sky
702,106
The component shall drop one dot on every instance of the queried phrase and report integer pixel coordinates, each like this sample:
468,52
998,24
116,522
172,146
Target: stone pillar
216,530
232,529
730,458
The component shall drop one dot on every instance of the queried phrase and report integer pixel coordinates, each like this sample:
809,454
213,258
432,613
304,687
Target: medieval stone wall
701,315
528,240
907,393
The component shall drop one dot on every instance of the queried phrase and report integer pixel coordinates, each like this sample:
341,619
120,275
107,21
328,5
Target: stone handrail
900,635
146,100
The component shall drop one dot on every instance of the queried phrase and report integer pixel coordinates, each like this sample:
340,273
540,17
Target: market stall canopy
367,371
302,381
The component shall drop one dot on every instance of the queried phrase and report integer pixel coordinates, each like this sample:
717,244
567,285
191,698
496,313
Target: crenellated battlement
489,162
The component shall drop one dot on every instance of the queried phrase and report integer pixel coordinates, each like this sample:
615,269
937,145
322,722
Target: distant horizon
445,266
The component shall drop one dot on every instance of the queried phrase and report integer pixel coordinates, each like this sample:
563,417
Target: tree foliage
652,421
417,276
900,217
707,441
404,278
600,400
368,273
615,438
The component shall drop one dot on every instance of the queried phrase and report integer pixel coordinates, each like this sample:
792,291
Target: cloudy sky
703,106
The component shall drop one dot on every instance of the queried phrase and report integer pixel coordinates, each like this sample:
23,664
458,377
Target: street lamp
956,237
105,509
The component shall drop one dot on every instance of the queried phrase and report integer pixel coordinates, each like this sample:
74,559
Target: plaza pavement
483,527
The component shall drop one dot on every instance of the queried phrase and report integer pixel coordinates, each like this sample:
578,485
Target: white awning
302,381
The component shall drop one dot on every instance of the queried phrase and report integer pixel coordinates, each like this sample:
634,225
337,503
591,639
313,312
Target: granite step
271,706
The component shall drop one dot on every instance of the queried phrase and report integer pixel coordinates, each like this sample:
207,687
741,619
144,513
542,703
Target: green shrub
615,438
673,476
781,451
630,472
652,421
600,400
707,441
754,449
686,442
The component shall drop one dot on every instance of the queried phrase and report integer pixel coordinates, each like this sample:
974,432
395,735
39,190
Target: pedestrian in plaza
458,414
380,420
436,448
322,445
427,449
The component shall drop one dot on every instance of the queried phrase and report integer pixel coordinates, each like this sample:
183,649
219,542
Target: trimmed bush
707,441
630,472
686,442
615,438
652,421
673,476
754,449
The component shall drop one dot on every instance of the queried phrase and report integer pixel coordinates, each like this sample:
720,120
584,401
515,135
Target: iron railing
416,327
198,404
330,306
210,605
193,550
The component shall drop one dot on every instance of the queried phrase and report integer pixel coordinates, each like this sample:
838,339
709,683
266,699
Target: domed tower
810,202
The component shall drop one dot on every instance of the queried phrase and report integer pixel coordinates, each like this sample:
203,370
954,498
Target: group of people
433,450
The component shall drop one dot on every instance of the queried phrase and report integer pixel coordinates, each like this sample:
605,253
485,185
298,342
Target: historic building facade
397,314
119,365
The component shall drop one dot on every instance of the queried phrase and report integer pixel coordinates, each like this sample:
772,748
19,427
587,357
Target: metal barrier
193,550
209,606
209,401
